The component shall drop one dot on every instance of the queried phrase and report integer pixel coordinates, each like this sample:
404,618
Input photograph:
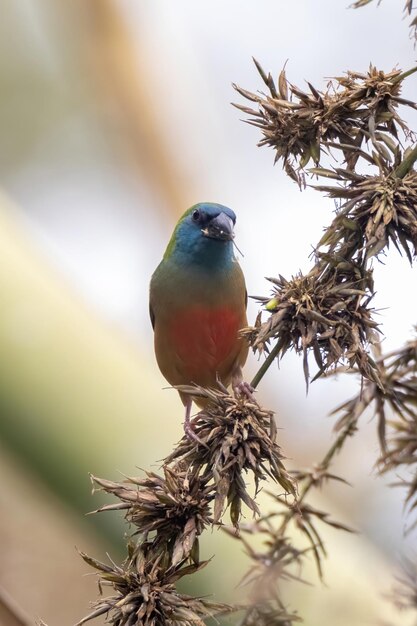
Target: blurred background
115,117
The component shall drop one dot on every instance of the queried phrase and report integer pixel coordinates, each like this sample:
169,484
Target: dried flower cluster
146,593
237,437
326,311
378,209
173,510
300,126
169,512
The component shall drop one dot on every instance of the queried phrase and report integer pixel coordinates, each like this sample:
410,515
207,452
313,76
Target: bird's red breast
197,344
204,339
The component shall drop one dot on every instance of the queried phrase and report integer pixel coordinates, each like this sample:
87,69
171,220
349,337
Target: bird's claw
244,389
190,433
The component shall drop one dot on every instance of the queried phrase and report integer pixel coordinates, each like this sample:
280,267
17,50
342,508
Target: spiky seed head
238,437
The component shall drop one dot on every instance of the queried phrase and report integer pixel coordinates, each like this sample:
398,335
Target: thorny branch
325,313
396,411
170,511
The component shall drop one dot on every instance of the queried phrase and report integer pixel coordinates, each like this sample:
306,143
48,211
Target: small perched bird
198,304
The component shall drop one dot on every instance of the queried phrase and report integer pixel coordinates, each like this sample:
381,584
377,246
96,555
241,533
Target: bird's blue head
204,236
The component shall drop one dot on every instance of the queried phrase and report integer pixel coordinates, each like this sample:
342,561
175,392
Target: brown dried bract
377,210
170,511
325,312
238,437
145,593
299,125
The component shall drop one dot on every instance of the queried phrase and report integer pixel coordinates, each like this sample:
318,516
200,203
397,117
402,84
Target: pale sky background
197,50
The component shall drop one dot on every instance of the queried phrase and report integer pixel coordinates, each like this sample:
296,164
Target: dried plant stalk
325,313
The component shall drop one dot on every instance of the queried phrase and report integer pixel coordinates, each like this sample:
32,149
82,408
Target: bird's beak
220,227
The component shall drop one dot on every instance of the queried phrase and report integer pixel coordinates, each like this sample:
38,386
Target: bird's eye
196,215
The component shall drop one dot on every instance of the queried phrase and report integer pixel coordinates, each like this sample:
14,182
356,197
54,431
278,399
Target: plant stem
403,75
334,448
331,452
265,366
406,165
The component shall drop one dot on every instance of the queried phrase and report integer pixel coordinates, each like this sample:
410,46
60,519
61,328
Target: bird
197,305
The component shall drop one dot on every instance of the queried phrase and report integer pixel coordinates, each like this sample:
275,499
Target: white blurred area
100,221
100,182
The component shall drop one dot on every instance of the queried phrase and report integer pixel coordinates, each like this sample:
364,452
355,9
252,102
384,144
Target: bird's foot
244,389
191,434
